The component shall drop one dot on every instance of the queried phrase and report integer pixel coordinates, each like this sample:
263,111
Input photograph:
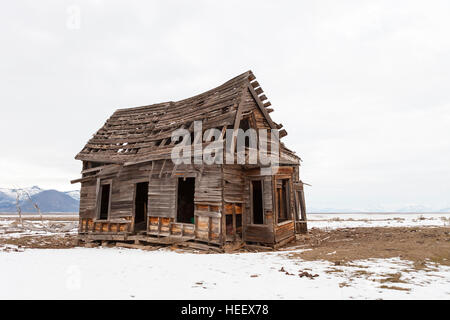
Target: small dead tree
19,209
35,205
30,226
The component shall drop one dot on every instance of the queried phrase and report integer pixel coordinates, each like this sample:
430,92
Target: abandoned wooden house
131,190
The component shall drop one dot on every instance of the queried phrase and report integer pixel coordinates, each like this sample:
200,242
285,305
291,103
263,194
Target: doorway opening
233,223
239,225
229,224
283,200
257,202
185,207
140,206
104,202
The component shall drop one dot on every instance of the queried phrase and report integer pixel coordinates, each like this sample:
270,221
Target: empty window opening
239,224
244,124
104,202
247,139
140,206
186,191
283,200
257,203
229,224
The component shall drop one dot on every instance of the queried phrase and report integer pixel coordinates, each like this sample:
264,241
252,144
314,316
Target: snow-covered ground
112,273
355,220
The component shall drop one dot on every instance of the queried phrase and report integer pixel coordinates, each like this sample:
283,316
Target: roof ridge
136,133
248,73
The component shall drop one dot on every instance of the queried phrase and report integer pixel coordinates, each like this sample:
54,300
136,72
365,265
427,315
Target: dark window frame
100,200
146,215
185,177
286,200
260,180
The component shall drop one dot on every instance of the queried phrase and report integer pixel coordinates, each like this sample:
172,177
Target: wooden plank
174,170
159,226
284,242
234,221
209,229
162,168
262,108
97,197
151,172
259,91
199,246
81,180
255,84
136,246
236,125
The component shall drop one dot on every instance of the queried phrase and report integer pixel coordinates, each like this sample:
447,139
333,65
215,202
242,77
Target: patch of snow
112,273
75,194
11,228
406,208
356,220
12,193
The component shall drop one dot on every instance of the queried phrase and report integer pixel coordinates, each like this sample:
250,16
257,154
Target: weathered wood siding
259,233
162,197
162,202
88,199
233,186
123,185
284,231
208,186
233,200
208,204
263,233
249,105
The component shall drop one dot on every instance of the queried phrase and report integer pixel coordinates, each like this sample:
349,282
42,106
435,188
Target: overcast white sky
362,87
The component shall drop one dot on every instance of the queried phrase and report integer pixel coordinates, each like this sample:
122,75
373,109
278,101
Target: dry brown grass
37,218
42,242
394,288
393,278
421,245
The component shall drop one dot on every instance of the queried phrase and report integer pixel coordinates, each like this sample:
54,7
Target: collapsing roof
144,133
130,190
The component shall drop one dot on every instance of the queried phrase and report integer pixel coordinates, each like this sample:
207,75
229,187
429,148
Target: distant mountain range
47,200
50,201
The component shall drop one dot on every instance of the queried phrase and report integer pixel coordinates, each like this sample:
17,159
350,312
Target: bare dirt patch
394,288
41,241
32,232
342,246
